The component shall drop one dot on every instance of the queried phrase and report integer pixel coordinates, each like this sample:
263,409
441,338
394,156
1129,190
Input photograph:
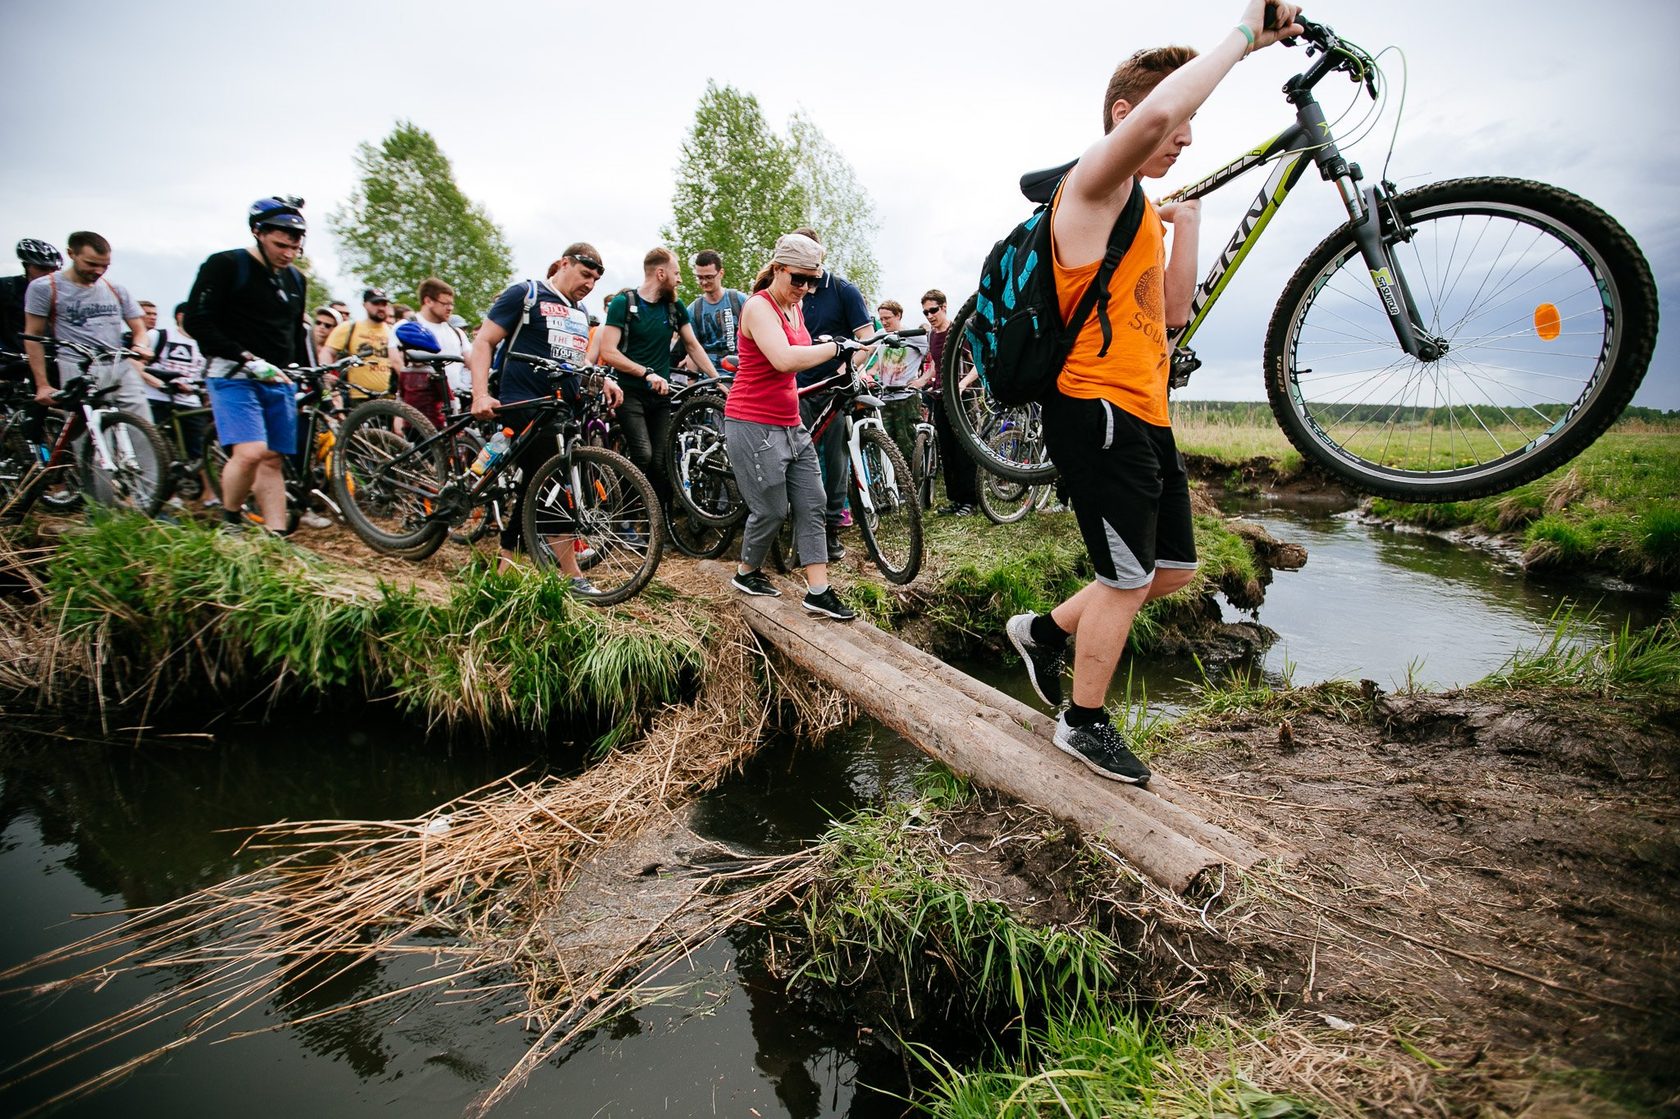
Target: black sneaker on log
1103,750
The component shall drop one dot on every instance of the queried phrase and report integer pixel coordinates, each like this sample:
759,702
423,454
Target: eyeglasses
803,280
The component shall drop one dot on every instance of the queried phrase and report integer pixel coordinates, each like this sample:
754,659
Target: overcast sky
158,124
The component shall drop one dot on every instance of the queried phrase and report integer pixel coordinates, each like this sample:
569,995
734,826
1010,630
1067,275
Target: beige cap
798,251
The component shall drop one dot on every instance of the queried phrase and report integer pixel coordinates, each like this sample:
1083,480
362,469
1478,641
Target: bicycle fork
1377,224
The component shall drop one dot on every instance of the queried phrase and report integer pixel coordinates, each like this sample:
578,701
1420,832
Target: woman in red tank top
775,463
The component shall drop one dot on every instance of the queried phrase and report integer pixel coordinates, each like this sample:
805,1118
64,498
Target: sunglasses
590,263
803,280
328,323
930,311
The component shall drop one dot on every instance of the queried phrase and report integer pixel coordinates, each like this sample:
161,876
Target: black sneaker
836,550
755,582
1044,666
956,509
828,603
1103,750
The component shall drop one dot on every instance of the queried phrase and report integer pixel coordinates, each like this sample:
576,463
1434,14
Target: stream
91,828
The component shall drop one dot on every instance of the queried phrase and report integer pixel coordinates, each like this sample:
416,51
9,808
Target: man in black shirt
39,259
246,310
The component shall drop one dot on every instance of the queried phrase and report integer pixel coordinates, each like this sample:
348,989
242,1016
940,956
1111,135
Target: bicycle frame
844,387
1308,140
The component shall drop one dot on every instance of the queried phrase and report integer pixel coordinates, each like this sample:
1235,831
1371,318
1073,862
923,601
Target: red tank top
762,393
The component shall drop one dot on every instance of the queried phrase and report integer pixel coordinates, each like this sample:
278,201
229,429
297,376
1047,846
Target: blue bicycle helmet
278,212
39,253
413,335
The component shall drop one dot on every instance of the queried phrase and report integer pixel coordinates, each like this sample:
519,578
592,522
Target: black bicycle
1449,341
402,493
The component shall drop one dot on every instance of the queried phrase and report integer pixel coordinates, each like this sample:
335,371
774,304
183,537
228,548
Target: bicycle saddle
1040,186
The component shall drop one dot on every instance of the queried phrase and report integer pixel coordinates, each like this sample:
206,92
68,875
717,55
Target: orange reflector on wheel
1548,324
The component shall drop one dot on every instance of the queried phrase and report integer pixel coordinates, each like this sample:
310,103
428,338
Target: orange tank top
1133,377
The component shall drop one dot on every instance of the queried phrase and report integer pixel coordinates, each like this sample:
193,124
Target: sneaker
1103,750
836,550
846,517
755,582
1044,666
828,603
175,503
580,585
314,520
212,502
956,509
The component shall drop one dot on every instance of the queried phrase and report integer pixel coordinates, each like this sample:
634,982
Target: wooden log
1175,807
976,740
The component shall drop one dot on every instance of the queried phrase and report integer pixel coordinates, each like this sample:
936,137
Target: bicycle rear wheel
701,477
924,463
20,470
1546,314
599,497
135,479
977,417
892,521
1005,502
692,536
385,484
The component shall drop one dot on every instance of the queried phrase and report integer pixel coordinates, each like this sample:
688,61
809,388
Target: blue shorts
251,412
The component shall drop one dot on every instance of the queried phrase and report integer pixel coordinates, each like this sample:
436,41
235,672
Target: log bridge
995,740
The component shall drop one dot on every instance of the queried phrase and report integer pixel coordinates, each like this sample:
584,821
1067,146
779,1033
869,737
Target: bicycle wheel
1546,314
599,497
701,477
135,479
61,488
692,536
1005,502
20,472
385,484
924,464
891,523
976,416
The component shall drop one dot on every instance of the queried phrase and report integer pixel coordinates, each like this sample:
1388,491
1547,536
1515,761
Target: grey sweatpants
775,469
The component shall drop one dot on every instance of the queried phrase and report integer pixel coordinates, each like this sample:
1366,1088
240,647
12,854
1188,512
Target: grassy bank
179,614
1615,508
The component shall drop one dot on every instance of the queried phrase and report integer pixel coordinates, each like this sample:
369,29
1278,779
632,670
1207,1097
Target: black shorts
1127,485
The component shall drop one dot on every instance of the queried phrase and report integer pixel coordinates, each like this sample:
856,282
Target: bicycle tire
1556,372
138,478
698,463
975,415
692,536
892,523
383,484
61,485
614,510
924,464
21,476
1005,502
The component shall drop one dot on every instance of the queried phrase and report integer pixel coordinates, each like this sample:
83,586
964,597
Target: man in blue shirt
836,308
716,311
544,318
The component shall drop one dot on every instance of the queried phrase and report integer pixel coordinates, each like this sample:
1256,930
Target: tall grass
187,613
1638,665
889,911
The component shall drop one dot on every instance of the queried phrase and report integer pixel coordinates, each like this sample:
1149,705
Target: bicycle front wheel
977,417
891,522
701,477
1545,314
598,504
21,473
134,474
924,462
1005,502
387,485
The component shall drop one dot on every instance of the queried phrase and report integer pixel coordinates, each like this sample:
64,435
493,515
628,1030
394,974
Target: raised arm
758,322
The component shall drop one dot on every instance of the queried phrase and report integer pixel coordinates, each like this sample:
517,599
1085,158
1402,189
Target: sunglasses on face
591,263
931,311
328,323
804,280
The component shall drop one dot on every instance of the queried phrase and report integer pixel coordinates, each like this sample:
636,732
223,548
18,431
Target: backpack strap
1096,295
524,316
52,308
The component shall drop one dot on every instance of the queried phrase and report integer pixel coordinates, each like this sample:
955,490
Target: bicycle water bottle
493,451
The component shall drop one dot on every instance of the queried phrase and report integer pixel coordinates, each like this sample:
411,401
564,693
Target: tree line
739,184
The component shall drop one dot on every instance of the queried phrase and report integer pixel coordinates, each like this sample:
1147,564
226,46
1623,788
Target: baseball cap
375,295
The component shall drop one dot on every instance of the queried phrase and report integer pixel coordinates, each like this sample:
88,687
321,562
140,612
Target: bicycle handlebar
87,352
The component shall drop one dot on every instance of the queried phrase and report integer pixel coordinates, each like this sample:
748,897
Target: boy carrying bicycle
1106,425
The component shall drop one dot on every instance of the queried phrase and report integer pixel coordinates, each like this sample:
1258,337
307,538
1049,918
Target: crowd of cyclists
240,346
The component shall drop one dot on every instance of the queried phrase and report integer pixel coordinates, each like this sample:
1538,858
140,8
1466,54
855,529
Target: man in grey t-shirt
80,305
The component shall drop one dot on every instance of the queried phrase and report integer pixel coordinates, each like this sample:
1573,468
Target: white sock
816,590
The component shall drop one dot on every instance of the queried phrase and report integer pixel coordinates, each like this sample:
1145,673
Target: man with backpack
1105,416
38,259
246,310
79,304
636,342
370,340
419,389
716,311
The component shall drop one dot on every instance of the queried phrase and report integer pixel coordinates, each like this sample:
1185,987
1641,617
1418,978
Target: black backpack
1016,337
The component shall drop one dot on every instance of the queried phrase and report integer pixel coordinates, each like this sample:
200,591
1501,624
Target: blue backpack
1016,337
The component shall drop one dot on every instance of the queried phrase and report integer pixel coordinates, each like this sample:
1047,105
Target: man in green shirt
636,341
